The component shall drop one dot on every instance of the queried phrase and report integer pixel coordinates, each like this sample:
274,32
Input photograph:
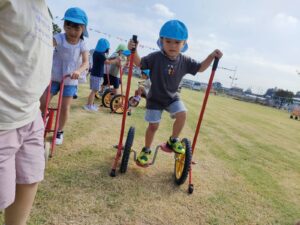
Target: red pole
120,145
214,68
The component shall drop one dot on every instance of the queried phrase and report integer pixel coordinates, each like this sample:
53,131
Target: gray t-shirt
165,76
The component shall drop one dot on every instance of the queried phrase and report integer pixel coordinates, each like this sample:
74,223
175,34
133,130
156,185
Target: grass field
248,170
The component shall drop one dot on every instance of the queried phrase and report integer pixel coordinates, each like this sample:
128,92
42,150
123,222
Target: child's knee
180,115
153,127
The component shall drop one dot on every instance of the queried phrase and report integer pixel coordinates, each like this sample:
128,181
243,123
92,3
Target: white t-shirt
25,60
66,58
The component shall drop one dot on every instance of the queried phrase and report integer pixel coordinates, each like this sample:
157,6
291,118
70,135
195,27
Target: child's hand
132,45
216,53
75,75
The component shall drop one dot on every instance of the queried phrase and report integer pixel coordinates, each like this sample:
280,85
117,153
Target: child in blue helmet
70,57
167,68
97,72
143,88
114,70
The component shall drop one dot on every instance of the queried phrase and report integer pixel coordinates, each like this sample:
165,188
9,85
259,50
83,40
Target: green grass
248,170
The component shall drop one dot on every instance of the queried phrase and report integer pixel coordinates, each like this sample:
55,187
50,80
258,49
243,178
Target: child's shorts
69,90
22,159
115,81
95,83
154,115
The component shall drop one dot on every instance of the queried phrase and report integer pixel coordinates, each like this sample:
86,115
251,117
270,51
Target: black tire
106,98
117,104
296,117
133,102
183,163
127,150
291,116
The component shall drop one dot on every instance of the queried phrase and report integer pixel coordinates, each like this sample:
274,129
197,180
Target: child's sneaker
176,145
59,138
94,108
137,98
143,157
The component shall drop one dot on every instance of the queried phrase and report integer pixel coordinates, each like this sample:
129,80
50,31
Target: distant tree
248,91
56,28
270,92
217,85
282,97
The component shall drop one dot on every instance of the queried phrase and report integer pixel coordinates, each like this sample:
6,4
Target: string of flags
122,39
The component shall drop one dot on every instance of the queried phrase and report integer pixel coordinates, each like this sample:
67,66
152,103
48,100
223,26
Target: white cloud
282,19
163,10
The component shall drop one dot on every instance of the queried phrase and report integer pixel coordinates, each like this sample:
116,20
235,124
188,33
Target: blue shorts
115,81
69,90
95,83
154,115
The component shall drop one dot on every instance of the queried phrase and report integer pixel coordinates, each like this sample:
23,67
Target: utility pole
232,78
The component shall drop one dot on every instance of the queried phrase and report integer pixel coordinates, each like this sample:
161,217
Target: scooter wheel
127,150
183,163
106,98
117,104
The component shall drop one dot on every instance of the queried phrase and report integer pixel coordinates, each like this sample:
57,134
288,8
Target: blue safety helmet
77,15
174,29
146,72
126,52
102,45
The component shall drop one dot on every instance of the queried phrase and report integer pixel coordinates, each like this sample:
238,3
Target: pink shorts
22,158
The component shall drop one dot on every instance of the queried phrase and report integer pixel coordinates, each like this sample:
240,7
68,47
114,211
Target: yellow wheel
117,104
106,98
183,163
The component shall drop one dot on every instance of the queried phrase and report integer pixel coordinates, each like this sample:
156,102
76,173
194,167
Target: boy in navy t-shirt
167,68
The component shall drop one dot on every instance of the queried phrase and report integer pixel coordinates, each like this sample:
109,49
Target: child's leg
178,112
18,212
65,111
91,97
150,133
153,117
178,124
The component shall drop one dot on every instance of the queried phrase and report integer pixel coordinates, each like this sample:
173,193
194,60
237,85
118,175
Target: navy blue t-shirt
98,64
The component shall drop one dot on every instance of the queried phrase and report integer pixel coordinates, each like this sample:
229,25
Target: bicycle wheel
183,163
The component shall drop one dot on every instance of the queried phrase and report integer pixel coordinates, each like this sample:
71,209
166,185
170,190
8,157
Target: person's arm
84,65
206,62
112,61
54,42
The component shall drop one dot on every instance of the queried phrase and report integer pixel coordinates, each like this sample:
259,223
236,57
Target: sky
260,39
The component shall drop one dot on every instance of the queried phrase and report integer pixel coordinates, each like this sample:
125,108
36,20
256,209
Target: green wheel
127,150
183,163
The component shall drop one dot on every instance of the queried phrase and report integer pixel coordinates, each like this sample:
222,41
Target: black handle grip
134,38
215,65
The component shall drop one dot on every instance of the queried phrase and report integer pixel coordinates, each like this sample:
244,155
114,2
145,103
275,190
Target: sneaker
91,108
87,107
176,145
59,138
137,98
143,157
94,108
